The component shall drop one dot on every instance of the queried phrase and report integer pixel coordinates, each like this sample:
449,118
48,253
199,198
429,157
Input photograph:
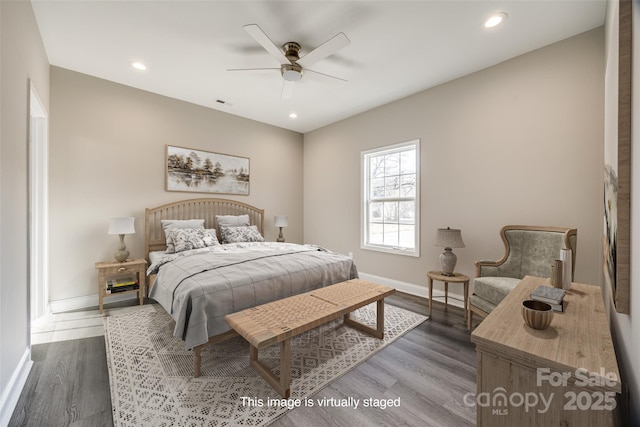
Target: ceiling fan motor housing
291,51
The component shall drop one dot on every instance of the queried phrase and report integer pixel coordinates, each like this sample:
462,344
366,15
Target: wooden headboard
207,209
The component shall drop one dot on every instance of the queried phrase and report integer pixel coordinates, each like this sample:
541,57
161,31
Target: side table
106,269
456,278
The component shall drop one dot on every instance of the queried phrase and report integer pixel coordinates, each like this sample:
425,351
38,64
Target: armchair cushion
485,306
494,289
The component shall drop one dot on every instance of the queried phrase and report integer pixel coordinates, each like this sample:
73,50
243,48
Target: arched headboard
206,209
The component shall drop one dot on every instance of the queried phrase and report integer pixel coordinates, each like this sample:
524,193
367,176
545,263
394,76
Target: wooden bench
279,321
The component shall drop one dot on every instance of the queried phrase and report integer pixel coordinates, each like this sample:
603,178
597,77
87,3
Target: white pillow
232,220
185,239
240,234
167,224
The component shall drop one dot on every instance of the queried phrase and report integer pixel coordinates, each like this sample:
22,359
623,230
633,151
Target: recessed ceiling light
139,66
495,20
293,115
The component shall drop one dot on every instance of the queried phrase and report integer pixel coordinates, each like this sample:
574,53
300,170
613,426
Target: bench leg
282,384
379,331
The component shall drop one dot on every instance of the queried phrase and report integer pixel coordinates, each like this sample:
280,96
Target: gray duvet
200,287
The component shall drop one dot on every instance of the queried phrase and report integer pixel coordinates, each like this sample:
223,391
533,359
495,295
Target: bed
198,287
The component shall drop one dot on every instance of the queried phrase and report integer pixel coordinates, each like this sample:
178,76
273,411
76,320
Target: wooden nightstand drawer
121,269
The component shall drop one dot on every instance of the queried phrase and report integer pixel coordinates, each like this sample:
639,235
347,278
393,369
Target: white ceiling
397,48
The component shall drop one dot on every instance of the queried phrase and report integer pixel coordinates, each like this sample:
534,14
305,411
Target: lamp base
448,261
121,256
122,253
280,236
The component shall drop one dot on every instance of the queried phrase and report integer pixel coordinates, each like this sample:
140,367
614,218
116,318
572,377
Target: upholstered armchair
529,251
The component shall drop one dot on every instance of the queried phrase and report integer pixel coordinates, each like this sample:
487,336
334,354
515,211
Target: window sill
392,250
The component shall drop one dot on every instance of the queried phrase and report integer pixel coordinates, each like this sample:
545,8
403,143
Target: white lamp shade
122,225
449,238
280,221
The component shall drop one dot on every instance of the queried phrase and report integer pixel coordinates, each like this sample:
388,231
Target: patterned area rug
151,380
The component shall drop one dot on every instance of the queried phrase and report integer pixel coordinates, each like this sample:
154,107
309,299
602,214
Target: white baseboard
413,289
11,393
87,301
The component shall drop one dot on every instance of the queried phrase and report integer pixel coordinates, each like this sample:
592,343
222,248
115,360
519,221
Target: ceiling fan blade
264,40
323,78
287,90
328,48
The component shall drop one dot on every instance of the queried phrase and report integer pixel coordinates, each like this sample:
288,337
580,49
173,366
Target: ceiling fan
292,67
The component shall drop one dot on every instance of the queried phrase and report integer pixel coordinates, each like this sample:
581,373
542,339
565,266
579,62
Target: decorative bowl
537,314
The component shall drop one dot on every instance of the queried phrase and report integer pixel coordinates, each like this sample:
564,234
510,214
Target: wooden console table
571,365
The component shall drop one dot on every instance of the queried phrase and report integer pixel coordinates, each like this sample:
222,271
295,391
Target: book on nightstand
121,285
116,283
133,287
552,296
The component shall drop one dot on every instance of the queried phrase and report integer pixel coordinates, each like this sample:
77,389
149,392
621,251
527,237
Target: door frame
38,173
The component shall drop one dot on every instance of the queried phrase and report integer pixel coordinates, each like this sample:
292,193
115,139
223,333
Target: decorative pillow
179,223
185,239
241,234
232,220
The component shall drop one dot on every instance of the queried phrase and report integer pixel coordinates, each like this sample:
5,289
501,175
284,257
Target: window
390,193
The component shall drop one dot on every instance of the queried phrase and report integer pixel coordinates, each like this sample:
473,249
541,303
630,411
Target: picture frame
617,175
198,171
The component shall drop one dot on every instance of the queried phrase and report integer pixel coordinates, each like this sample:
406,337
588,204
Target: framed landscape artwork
206,172
617,175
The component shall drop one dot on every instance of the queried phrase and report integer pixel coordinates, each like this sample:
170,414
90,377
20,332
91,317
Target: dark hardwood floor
430,369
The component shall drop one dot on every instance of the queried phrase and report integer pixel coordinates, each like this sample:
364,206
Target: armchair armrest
487,268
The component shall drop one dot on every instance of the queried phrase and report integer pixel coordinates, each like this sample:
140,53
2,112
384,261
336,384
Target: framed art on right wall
617,175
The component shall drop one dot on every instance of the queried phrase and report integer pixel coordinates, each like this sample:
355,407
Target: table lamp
448,238
122,226
280,221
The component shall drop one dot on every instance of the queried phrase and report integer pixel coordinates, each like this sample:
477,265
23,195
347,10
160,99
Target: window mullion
392,199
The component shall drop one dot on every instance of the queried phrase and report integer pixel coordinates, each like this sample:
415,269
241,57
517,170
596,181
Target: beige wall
626,327
107,157
517,143
22,58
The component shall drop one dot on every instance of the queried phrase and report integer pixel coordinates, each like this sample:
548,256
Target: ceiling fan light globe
292,75
291,72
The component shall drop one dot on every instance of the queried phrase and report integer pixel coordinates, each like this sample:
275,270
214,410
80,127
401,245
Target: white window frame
367,200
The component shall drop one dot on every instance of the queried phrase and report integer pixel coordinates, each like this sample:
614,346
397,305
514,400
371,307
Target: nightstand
456,278
134,267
